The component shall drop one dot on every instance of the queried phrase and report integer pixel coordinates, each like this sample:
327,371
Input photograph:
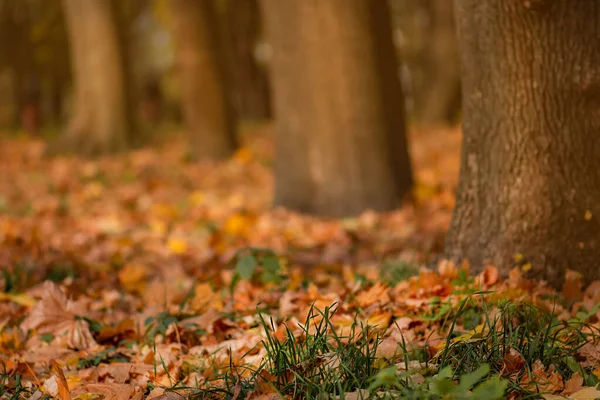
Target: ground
148,274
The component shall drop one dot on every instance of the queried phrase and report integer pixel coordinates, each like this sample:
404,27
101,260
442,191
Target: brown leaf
573,385
513,361
113,391
572,288
490,275
542,381
54,314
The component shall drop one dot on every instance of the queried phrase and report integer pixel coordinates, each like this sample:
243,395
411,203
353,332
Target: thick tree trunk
206,107
99,122
438,100
529,182
250,84
341,146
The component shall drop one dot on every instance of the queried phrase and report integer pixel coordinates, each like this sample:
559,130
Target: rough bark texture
99,122
207,110
340,140
250,83
438,100
529,180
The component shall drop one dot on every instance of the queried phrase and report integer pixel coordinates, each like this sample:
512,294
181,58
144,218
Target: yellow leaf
177,246
206,298
21,299
158,226
423,191
133,277
380,321
197,198
243,155
237,225
518,257
526,267
588,215
165,211
589,393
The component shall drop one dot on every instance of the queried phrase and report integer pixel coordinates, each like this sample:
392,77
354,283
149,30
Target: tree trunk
341,146
438,100
125,13
99,123
206,107
529,180
251,87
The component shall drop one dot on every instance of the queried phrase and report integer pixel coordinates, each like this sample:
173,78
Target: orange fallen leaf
63,387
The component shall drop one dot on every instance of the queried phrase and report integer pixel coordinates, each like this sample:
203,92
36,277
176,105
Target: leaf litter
148,276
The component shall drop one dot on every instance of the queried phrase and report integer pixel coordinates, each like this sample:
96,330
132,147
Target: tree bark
207,109
341,145
529,180
99,123
251,86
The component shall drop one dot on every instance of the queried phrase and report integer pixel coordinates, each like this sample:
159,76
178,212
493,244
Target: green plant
533,333
258,263
389,384
320,360
394,272
107,356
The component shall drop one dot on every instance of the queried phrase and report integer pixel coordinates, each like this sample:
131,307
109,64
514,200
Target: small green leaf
245,266
47,337
270,277
492,389
467,381
387,377
271,263
442,387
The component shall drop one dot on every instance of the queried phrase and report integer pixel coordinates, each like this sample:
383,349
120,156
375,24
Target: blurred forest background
98,77
37,74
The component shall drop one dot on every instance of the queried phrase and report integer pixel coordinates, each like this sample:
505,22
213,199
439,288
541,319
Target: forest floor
148,275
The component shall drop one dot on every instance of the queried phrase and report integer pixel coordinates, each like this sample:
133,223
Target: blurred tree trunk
99,123
251,86
427,43
207,110
341,145
529,180
438,100
125,12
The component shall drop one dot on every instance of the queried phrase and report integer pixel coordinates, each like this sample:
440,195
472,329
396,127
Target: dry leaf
54,314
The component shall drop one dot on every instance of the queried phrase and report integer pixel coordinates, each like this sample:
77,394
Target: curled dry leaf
513,362
490,275
61,381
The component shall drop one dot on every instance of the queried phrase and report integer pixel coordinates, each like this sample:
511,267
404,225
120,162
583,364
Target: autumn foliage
144,275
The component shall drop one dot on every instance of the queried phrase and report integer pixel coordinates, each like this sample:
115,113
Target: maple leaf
377,293
541,380
55,314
